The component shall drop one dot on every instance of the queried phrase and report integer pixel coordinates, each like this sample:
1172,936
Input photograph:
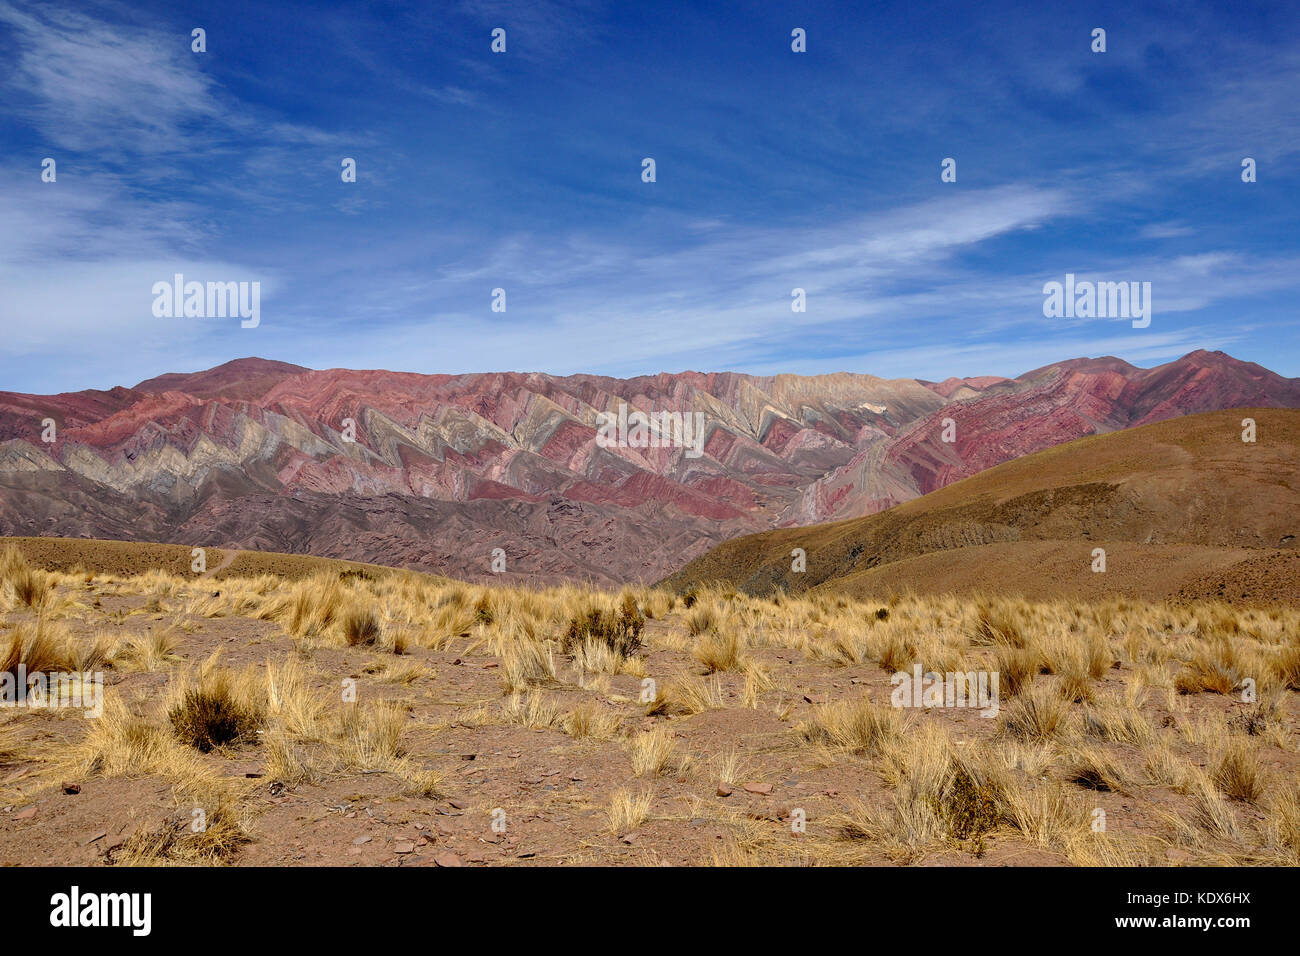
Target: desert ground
281,713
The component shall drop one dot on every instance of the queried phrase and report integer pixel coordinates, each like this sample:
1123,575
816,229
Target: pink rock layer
446,468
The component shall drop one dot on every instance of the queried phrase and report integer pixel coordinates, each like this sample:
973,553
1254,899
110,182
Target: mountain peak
1104,363
240,379
1216,358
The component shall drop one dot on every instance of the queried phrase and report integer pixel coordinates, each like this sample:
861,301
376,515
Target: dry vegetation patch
643,726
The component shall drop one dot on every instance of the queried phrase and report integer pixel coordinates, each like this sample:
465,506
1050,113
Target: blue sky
522,170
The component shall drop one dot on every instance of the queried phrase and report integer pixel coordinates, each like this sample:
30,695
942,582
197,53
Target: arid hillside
133,558
1183,506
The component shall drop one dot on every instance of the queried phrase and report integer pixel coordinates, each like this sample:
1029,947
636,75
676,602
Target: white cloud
99,86
939,360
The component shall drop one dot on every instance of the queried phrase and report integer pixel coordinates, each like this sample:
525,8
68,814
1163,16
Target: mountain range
436,471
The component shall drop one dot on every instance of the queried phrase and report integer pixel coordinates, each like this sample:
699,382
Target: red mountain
446,468
1042,408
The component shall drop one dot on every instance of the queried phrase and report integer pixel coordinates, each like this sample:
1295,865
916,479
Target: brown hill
1183,508
1050,406
130,558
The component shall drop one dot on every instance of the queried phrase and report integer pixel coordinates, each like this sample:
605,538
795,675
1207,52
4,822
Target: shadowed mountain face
445,469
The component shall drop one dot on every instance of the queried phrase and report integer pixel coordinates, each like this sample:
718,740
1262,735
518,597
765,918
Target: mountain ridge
1173,504
446,468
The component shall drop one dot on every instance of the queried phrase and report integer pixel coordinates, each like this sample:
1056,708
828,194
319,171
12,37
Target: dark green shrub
211,716
619,631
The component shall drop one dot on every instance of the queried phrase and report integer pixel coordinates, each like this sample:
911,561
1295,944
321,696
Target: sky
522,170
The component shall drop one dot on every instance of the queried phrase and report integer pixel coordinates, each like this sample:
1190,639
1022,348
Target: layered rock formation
436,471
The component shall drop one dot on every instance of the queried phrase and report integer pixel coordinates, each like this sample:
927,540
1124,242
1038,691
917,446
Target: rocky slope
1000,420
441,469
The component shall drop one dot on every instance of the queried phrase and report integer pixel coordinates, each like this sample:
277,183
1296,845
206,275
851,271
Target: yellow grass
1167,731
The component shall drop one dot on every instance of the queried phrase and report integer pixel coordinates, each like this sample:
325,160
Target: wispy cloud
94,85
777,171
540,29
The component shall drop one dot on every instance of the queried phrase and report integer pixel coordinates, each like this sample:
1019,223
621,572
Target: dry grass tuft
897,653
360,627
1094,769
526,664
1016,666
1238,772
1286,667
36,648
687,696
720,652
370,735
213,714
1212,670
24,585
653,753
592,720
859,726
1035,715
626,812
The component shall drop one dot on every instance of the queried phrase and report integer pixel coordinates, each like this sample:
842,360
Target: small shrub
968,808
1257,721
360,627
210,715
619,631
